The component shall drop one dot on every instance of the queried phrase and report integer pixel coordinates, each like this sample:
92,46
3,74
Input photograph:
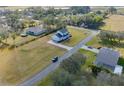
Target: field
14,7
114,23
77,35
23,62
19,40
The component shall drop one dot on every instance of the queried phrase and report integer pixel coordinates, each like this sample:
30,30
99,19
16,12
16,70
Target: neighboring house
35,31
108,58
61,35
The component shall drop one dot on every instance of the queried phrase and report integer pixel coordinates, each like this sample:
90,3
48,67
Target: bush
62,78
11,47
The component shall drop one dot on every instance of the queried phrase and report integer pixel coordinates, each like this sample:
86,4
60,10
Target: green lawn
90,57
25,61
77,36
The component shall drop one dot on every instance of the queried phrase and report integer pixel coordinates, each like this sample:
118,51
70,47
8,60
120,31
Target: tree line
112,36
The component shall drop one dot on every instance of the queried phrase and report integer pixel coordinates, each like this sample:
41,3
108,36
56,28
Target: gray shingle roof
35,29
107,57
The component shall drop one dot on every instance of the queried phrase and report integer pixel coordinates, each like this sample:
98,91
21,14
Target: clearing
114,23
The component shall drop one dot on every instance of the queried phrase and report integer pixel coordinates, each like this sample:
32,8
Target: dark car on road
55,59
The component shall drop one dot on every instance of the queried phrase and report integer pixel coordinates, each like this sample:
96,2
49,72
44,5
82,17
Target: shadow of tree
121,62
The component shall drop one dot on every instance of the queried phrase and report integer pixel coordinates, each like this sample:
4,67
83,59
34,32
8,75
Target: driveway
69,48
41,75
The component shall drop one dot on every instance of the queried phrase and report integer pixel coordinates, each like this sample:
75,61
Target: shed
35,31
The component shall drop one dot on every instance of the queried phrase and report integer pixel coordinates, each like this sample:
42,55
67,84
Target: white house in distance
108,58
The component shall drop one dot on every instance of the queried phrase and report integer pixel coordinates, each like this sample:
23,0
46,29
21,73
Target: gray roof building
35,31
107,58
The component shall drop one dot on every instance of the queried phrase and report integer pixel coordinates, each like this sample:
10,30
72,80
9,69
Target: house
61,35
35,31
108,58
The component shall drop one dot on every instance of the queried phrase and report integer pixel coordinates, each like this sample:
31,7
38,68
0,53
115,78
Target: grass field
19,40
14,7
114,23
23,62
77,36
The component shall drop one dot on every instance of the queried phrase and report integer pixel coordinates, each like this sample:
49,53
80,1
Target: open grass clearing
14,7
114,23
25,61
19,40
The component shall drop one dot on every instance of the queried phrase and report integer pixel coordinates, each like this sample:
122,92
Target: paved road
54,66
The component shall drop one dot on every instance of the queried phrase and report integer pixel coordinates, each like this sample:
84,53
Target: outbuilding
108,58
35,31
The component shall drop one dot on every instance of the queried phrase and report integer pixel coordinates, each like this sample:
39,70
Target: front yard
77,35
21,63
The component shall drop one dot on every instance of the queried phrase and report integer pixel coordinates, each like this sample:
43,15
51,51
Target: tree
73,63
80,9
95,70
62,78
13,35
112,10
105,78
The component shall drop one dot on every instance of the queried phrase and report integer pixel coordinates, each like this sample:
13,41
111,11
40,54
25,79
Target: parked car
55,59
99,47
23,35
90,47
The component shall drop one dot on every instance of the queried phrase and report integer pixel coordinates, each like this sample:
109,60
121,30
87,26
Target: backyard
21,63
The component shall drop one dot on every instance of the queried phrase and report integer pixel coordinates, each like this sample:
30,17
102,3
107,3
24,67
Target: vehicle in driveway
61,35
23,35
90,47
